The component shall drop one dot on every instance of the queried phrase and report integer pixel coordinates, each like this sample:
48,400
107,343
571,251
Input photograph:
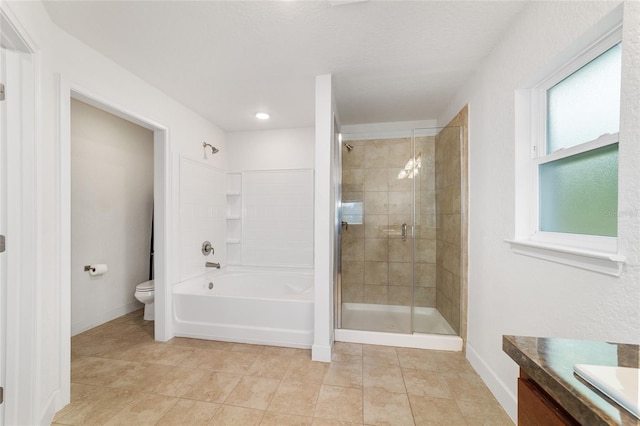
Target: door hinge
2,245
1,395
1,91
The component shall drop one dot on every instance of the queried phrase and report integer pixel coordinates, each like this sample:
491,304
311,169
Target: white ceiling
390,60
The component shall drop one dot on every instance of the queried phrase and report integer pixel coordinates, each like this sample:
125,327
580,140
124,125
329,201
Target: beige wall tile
376,294
375,226
353,272
353,249
400,296
376,273
400,273
375,202
375,250
376,180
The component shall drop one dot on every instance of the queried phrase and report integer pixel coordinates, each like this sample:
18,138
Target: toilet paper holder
88,268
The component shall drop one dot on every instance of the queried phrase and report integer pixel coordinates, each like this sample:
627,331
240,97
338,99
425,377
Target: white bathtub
249,305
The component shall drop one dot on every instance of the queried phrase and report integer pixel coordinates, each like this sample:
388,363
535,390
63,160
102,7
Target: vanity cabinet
536,407
550,393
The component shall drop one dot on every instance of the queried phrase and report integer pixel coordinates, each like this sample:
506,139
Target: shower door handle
404,232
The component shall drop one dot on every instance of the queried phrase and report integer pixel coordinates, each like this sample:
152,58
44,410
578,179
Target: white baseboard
53,405
503,394
100,318
321,353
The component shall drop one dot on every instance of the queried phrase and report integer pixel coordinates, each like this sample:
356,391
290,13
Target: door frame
163,325
22,258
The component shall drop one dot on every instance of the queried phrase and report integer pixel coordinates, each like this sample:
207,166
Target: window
577,155
574,127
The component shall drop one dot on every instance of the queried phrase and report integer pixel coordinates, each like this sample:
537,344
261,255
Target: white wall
203,207
60,55
271,149
111,210
514,294
324,223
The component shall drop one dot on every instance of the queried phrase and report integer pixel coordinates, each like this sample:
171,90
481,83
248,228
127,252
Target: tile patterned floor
120,376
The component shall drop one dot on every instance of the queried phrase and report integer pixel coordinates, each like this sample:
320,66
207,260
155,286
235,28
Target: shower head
348,146
213,148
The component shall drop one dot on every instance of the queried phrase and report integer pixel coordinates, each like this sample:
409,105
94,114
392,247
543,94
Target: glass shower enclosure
400,234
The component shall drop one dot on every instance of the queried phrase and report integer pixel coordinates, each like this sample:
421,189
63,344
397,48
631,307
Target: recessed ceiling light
262,116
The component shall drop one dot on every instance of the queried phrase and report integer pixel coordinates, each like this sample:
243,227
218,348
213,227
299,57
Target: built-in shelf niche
234,218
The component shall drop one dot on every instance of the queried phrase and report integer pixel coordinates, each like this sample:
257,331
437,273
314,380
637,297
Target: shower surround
376,263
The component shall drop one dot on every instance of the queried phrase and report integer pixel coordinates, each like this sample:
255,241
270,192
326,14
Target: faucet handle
207,248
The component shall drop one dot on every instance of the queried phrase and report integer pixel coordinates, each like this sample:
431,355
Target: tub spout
212,265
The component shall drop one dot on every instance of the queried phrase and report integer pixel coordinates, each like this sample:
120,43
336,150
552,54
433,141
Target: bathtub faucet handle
212,265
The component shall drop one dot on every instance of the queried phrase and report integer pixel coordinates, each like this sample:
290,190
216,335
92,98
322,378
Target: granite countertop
550,361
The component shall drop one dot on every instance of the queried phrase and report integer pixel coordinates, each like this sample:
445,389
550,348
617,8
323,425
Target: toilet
144,293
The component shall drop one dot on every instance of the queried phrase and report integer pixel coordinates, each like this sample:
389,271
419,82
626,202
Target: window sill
602,262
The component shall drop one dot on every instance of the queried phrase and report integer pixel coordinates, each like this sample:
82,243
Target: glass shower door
377,249
401,201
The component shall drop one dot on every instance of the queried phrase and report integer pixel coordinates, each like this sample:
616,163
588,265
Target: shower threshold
390,325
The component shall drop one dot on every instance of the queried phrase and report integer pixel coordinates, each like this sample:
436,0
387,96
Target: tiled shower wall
449,166
376,263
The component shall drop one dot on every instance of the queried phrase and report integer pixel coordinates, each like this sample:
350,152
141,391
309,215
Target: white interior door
3,227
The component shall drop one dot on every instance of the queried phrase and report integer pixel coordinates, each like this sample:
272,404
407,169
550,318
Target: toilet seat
145,286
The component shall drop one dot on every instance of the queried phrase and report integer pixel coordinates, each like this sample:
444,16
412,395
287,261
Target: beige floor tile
484,414
269,366
279,419
253,392
96,408
386,377
120,375
305,371
159,353
144,409
176,381
200,343
380,355
469,390
213,387
187,412
80,394
135,318
328,422
436,411
235,416
425,383
338,403
347,348
416,359
98,371
141,377
295,398
278,351
221,360
386,408
344,374
245,347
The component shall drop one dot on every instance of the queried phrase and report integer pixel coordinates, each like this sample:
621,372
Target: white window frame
591,252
